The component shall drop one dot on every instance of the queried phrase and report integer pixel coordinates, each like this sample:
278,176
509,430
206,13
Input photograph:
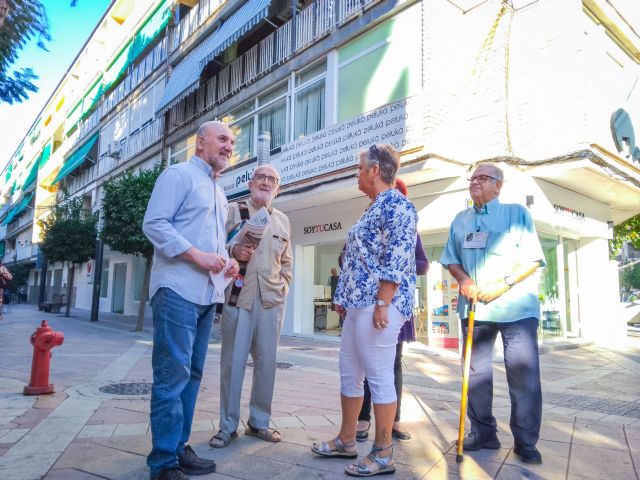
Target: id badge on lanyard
475,240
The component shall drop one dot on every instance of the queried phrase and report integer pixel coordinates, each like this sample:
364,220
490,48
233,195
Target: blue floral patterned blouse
381,246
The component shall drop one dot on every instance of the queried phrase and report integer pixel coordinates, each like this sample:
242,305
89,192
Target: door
119,283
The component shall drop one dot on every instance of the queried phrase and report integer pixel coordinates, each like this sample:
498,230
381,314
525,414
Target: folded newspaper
250,232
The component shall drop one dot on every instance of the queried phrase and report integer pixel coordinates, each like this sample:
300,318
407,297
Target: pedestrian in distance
253,312
407,334
493,251
376,289
185,222
5,278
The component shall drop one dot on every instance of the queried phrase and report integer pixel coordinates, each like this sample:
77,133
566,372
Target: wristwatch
381,303
508,279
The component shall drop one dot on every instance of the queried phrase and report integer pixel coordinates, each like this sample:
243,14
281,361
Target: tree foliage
123,207
69,233
627,231
27,19
630,278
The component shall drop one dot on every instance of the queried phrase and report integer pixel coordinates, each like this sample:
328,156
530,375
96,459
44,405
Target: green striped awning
150,29
32,176
76,159
117,68
17,209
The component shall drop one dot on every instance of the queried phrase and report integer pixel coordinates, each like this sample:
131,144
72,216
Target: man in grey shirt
185,221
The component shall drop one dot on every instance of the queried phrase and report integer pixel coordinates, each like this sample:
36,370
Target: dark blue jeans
181,331
522,363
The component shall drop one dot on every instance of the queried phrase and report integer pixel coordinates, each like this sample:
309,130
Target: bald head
214,144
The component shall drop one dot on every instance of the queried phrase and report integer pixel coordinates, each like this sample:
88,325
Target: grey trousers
243,332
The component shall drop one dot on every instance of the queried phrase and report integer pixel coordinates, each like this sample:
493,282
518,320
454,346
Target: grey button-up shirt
187,209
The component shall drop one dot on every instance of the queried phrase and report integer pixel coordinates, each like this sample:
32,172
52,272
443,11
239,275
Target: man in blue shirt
493,251
185,221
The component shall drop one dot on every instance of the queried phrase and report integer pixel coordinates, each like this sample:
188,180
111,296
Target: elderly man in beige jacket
253,313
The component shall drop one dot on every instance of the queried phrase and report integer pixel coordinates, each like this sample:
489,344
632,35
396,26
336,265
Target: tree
26,19
69,234
20,276
631,277
627,231
123,207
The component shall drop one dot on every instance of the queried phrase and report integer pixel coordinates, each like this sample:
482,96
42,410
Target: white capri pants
368,351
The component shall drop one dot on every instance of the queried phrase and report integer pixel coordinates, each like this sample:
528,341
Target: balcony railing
136,142
312,23
136,75
190,22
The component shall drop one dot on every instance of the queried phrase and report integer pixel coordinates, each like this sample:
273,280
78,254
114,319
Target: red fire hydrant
43,340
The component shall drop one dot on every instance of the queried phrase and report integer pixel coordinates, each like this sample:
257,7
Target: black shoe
529,455
173,473
400,435
363,435
192,464
473,441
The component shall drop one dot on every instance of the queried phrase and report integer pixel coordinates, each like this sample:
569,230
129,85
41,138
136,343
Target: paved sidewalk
591,424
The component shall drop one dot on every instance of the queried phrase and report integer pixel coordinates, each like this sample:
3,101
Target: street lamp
4,11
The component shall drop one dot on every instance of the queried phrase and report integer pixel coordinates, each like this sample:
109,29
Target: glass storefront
436,321
551,324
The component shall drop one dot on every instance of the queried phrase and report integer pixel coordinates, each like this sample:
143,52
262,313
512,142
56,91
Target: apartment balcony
25,221
312,23
138,141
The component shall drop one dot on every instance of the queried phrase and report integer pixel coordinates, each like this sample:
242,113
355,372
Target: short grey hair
386,158
267,166
496,171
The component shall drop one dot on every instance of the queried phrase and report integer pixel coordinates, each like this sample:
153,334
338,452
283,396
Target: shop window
104,282
550,305
379,66
325,319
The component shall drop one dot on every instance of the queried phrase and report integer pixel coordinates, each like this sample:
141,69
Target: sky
69,28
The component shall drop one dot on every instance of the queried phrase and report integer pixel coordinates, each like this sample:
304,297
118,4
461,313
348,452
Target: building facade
547,89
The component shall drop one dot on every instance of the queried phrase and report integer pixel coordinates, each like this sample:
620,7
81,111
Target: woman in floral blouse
376,289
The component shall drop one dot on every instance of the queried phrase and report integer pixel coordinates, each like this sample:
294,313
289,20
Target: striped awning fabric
186,75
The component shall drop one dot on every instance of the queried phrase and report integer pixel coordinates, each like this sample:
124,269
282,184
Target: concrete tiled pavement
591,426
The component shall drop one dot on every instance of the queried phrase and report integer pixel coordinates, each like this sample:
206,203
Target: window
309,109
274,120
104,279
183,150
377,68
139,265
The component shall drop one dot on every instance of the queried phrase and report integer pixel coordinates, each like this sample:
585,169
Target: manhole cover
280,365
127,388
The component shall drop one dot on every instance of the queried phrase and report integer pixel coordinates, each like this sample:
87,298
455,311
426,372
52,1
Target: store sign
337,147
322,227
560,210
624,136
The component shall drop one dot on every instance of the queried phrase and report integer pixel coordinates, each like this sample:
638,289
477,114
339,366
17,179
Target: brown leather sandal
266,434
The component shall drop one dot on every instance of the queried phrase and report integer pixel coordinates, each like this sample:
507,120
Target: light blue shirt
187,209
511,239
381,246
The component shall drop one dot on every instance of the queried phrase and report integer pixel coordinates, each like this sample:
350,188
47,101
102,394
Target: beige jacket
270,266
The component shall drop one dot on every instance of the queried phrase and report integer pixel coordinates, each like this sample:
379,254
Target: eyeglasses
481,178
261,177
